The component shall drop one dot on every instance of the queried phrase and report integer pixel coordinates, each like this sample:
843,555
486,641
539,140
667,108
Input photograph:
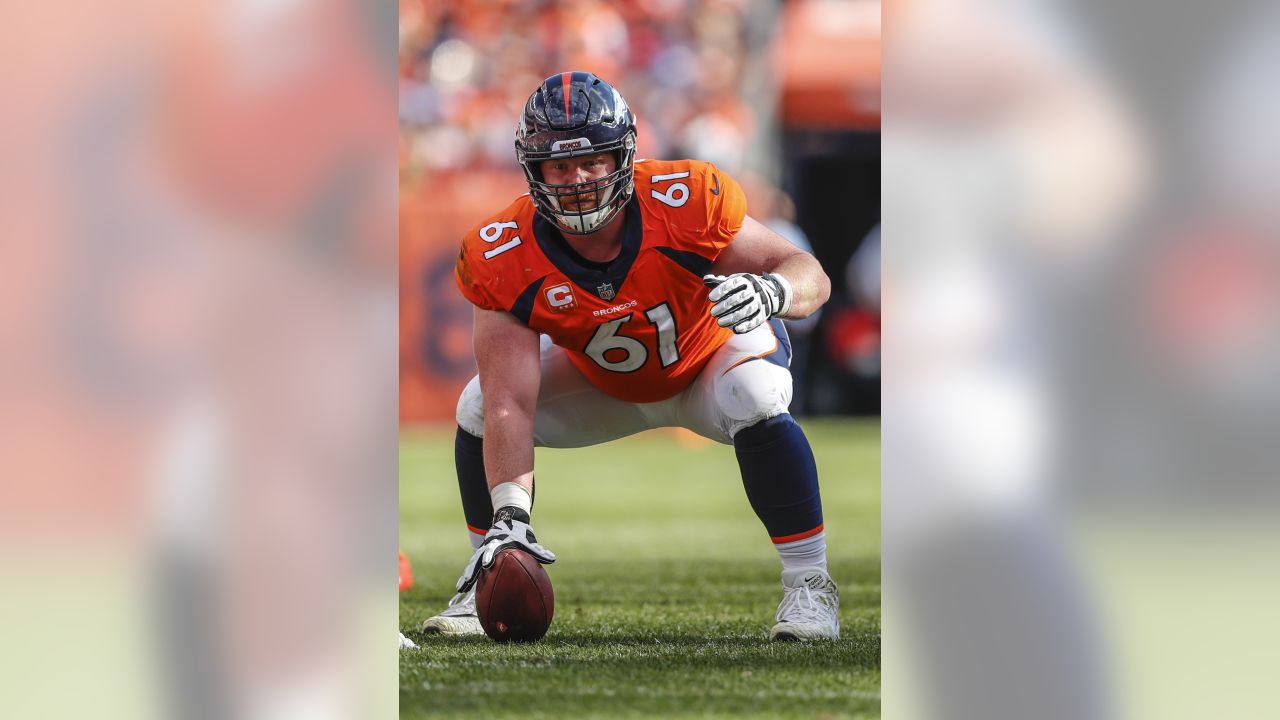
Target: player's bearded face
577,171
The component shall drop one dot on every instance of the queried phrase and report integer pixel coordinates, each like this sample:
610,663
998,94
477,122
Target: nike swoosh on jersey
715,190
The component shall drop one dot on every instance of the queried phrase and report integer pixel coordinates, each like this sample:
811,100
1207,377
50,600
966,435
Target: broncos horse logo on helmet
569,115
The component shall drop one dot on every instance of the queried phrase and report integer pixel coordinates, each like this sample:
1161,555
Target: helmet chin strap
583,224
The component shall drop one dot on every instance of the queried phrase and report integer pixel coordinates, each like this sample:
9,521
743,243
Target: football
514,598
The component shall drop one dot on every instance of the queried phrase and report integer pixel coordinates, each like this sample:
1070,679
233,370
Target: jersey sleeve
494,262
725,209
471,279
714,213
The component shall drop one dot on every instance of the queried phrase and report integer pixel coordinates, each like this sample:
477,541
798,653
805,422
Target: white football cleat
458,619
810,608
406,643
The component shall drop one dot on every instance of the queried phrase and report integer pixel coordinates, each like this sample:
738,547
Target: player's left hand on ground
507,532
743,302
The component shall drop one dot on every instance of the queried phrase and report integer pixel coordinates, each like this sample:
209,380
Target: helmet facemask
612,192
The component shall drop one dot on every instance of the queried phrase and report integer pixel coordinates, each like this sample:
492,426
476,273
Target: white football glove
744,302
507,532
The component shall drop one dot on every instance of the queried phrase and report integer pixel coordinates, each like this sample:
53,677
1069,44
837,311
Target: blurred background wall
785,96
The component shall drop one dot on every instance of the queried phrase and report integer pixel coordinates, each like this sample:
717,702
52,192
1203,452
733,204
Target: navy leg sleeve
468,457
781,478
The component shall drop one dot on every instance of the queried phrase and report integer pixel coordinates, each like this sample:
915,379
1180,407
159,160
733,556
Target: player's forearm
508,443
810,287
507,356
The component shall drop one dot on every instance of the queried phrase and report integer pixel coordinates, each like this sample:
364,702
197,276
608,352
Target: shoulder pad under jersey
701,205
493,265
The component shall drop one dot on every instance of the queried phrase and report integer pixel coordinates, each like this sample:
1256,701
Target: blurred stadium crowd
708,80
466,67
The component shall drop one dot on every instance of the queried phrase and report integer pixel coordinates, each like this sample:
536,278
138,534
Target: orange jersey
638,329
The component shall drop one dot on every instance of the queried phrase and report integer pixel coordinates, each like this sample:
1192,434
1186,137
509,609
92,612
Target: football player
621,295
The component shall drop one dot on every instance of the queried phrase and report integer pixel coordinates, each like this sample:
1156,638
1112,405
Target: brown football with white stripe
514,598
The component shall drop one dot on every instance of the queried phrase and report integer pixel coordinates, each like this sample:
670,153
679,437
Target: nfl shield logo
605,291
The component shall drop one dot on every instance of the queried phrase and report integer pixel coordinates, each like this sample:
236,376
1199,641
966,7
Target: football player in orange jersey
619,296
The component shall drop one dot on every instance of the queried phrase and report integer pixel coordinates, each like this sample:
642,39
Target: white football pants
744,382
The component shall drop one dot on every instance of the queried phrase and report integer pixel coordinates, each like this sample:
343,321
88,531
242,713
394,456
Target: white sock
810,552
510,493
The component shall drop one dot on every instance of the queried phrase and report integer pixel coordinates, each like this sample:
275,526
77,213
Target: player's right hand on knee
510,530
744,302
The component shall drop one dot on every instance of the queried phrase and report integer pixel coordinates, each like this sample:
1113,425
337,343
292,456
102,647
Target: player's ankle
810,552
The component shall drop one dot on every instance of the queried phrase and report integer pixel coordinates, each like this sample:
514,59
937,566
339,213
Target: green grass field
665,587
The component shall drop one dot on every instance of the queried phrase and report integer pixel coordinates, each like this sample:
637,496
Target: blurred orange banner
435,320
828,60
